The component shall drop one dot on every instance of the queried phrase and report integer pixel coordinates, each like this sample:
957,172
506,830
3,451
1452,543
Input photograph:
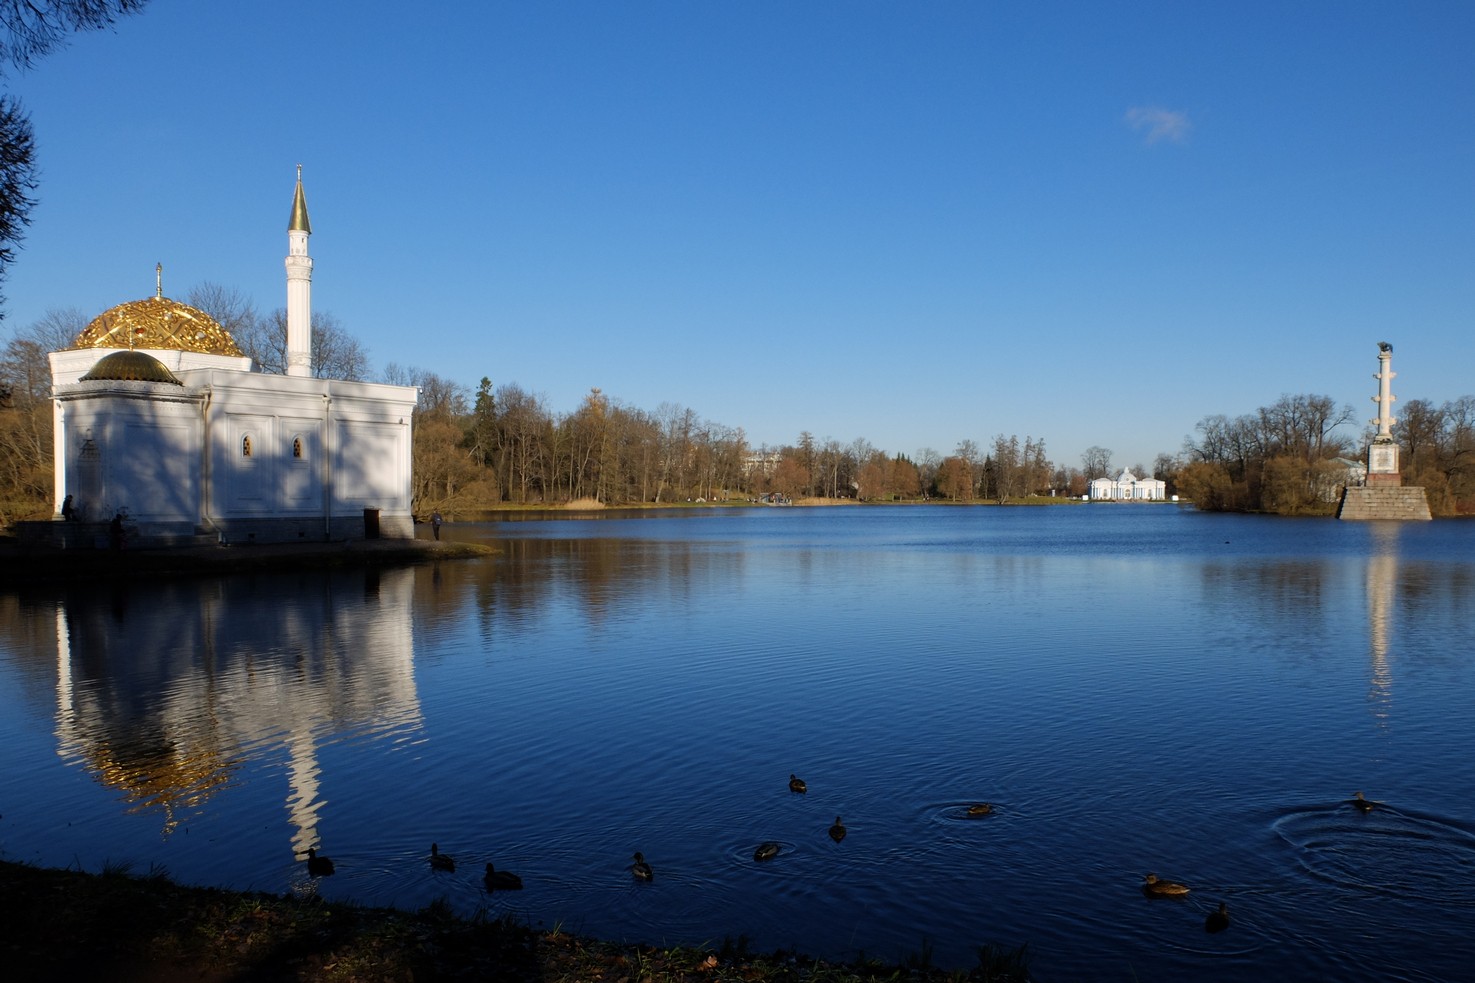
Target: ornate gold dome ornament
158,323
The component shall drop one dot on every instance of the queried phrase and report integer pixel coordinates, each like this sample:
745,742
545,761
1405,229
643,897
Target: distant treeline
503,445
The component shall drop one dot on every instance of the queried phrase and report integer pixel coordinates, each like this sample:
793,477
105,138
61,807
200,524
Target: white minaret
299,287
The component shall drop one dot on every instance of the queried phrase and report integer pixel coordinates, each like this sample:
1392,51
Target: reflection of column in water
1382,574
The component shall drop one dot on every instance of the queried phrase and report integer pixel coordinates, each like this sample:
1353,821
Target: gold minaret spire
299,222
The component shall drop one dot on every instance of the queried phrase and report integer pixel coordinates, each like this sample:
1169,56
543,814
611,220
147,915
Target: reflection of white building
1128,487
159,414
164,693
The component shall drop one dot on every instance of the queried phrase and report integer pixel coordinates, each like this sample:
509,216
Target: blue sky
917,223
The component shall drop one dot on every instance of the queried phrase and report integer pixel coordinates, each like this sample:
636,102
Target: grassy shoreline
68,924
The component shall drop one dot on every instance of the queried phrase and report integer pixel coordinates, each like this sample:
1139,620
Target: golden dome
130,367
158,322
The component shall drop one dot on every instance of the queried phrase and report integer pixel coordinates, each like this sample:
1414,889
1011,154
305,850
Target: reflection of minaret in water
302,779
1382,575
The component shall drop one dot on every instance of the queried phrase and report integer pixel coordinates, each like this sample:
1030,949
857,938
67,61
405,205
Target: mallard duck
1217,921
981,809
441,861
641,869
501,880
1154,888
1361,804
796,784
318,866
837,831
766,851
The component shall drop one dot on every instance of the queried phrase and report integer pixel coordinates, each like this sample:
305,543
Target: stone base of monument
1384,502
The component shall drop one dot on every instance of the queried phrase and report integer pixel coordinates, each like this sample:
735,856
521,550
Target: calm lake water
1134,688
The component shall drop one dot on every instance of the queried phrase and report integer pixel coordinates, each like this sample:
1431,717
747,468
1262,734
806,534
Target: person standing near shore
435,521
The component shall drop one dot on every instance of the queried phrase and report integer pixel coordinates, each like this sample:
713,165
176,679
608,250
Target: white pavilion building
1127,487
160,416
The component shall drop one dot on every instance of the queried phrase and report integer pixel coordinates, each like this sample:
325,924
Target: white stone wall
133,447
354,440
321,451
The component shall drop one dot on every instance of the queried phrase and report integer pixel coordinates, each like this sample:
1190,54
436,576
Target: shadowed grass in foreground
65,925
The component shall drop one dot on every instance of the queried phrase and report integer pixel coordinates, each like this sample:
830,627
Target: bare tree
231,309
1010,468
1165,468
955,479
928,461
1301,426
809,461
26,419
906,480
971,455
17,181
1096,463
25,370
32,29
1419,428
334,353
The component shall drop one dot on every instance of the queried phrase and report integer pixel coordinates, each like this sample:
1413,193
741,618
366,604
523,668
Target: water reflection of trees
598,579
163,691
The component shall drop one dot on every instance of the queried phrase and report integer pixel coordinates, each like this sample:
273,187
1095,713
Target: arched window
246,446
297,447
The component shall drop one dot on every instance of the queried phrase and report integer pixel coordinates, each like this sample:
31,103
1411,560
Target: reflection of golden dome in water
130,367
158,775
159,323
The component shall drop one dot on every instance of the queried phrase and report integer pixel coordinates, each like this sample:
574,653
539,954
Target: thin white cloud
1170,125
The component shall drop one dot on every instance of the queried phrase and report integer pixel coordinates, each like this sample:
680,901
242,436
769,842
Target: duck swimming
837,831
1217,921
318,866
501,880
1154,888
641,869
1361,804
441,861
981,809
766,851
796,784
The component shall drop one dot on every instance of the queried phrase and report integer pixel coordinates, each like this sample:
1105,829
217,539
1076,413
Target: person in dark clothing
435,521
